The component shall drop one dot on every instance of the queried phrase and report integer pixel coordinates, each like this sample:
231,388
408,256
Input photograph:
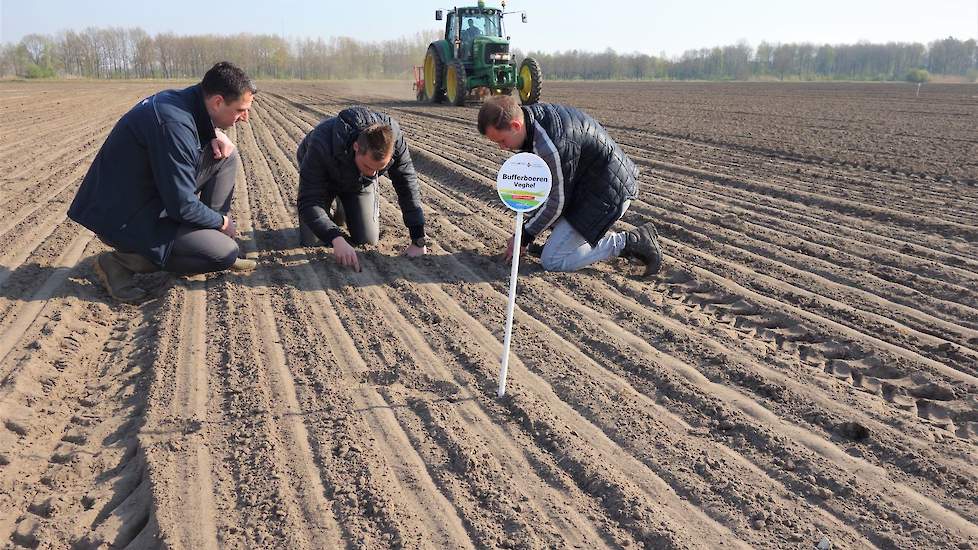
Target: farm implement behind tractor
473,60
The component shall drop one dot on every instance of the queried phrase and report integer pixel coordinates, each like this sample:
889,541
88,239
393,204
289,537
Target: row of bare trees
132,53
802,61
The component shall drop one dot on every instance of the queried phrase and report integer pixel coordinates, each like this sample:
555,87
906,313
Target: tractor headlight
499,56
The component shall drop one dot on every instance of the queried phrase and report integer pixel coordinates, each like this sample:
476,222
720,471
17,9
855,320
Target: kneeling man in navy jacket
159,190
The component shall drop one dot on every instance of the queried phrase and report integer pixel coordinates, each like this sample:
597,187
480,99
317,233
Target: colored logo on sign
523,182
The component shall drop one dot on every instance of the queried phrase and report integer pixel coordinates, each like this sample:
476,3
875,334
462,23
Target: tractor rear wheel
455,83
434,75
531,81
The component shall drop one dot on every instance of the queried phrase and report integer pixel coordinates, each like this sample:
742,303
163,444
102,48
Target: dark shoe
135,262
118,279
535,250
306,236
642,243
336,212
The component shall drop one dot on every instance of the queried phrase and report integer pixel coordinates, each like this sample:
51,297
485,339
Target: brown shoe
135,262
117,279
244,265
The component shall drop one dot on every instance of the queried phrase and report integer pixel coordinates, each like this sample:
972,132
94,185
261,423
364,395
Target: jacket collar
530,124
205,127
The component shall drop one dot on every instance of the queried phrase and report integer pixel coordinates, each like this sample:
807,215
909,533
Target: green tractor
474,60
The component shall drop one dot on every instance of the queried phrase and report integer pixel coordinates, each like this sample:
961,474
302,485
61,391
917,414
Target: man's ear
516,125
215,101
356,147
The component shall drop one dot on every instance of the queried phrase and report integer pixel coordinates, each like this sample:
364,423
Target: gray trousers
362,212
198,250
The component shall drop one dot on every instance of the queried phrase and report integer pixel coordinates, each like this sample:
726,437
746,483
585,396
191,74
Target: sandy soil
805,366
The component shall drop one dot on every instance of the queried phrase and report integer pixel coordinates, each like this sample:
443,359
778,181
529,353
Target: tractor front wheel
455,83
434,76
530,81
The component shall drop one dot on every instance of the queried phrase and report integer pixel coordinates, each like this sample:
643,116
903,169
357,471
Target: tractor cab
472,28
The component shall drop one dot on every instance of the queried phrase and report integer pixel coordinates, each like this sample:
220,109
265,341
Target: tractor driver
469,33
593,183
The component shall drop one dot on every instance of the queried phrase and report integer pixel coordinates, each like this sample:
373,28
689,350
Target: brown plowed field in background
805,366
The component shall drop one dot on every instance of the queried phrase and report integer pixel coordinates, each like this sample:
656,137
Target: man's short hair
228,81
498,111
376,139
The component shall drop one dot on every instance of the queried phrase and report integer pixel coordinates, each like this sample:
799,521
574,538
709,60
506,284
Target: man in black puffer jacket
341,159
593,184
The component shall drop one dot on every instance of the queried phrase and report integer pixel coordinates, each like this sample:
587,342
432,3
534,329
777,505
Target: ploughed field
805,366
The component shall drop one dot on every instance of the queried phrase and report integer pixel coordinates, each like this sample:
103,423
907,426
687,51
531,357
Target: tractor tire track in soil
804,366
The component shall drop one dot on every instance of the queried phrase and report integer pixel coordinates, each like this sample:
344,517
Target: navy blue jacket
592,176
148,166
327,168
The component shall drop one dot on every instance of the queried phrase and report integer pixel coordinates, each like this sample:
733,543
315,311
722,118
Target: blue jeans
567,250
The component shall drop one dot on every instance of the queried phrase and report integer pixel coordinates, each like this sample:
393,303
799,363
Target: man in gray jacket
593,183
341,160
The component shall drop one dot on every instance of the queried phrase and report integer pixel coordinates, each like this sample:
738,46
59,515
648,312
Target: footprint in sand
46,506
18,427
70,344
853,431
75,436
935,414
25,533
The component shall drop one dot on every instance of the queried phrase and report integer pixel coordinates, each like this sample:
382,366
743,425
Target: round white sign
523,182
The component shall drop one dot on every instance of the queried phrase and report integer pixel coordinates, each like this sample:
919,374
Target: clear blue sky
669,26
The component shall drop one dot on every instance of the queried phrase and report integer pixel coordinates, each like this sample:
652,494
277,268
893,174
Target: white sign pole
514,271
523,184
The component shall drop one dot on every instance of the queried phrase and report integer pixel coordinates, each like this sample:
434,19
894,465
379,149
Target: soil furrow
803,367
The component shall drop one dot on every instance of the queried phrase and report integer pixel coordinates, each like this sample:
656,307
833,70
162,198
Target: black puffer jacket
326,169
597,176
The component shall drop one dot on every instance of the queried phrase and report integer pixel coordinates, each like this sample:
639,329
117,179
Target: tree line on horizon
132,53
791,61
